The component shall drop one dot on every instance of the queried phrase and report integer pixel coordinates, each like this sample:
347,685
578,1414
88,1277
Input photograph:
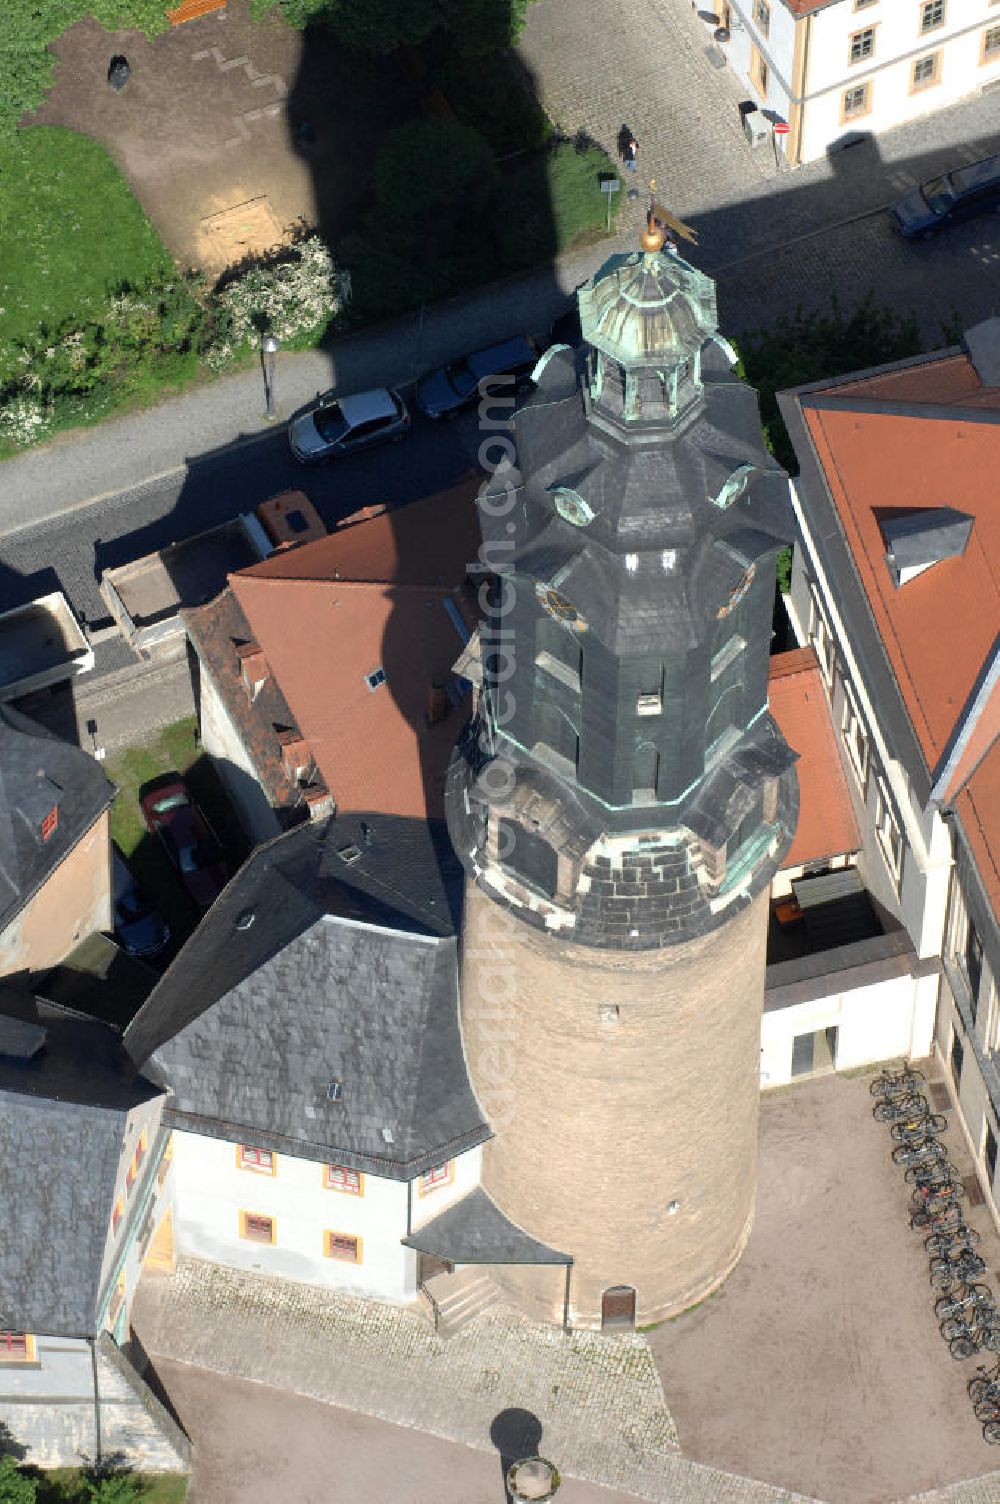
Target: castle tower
621,801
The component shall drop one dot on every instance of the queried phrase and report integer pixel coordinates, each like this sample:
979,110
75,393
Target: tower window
646,769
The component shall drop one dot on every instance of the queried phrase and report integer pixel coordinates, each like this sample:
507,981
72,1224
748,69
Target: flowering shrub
24,420
292,298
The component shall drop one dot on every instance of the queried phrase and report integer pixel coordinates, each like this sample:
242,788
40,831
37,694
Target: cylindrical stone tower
621,801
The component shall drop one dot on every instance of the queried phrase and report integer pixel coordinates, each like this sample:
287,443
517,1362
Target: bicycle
935,1173
991,1433
968,1296
987,1381
943,1219
947,1244
918,1128
927,1150
948,1274
987,1410
896,1083
971,1337
908,1108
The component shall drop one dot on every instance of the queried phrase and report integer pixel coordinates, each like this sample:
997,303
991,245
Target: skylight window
375,678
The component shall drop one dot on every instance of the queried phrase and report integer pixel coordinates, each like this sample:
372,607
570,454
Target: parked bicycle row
965,1308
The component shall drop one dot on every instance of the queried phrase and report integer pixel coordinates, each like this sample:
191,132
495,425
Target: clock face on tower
559,608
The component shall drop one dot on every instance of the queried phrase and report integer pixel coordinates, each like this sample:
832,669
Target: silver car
336,426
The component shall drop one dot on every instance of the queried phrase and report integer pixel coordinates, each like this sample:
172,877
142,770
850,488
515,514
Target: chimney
253,668
437,702
296,755
319,801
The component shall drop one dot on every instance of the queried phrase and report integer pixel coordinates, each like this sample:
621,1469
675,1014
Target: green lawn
173,749
65,1485
70,230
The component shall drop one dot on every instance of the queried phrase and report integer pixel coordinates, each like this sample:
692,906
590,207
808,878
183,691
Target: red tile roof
827,825
978,808
389,593
939,627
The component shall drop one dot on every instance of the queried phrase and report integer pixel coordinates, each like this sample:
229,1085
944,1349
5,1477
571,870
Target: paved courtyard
819,1365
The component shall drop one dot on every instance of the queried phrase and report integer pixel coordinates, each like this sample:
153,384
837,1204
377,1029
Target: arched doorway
618,1307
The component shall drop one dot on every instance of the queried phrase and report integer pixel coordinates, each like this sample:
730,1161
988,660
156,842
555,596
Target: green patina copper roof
648,308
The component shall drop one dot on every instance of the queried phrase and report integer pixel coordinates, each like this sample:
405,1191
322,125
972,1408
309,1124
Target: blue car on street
445,392
949,197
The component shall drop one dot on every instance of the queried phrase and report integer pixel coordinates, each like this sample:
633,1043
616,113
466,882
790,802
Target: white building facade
833,69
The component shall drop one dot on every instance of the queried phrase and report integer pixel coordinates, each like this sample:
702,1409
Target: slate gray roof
914,540
38,771
62,1121
331,957
475,1231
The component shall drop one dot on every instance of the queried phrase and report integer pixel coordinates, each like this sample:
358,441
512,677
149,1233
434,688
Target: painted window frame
989,1158
927,7
443,1174
888,826
330,1184
19,1358
256,1169
989,54
853,41
341,1256
251,1237
917,86
760,76
762,16
820,634
847,115
855,736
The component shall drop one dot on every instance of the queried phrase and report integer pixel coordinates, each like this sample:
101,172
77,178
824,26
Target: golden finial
652,237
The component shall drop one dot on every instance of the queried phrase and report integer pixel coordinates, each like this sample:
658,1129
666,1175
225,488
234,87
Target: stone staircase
452,1300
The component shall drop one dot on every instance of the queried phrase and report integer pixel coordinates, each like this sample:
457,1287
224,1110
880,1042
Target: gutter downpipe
565,1320
799,86
98,1448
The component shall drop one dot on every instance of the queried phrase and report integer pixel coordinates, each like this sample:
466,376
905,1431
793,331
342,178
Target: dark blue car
951,196
444,393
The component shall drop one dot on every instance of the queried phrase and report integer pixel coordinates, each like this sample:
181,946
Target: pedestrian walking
630,152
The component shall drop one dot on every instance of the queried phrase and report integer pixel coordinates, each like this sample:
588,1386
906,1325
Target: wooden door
618,1306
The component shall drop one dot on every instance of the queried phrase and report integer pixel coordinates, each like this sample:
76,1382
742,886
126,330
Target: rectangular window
990,1154
340,1178
163,1168
342,1245
261,1161
758,72
855,735
257,1228
17,1347
991,45
117,1301
973,958
931,15
117,1214
762,16
856,101
957,1056
441,1175
887,826
863,4
926,72
50,822
820,634
862,45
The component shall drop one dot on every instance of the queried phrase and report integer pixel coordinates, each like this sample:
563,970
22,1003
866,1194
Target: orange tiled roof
827,825
978,807
383,593
938,628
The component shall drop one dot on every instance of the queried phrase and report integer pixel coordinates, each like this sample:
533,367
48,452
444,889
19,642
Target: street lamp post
269,347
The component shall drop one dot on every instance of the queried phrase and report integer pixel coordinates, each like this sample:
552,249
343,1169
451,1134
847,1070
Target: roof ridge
897,407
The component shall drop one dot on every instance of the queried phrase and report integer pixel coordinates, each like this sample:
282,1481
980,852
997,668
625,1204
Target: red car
188,839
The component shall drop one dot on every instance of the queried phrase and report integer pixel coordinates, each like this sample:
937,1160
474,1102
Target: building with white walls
896,586
834,68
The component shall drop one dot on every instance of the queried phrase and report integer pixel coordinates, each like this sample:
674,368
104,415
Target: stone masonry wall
618,1084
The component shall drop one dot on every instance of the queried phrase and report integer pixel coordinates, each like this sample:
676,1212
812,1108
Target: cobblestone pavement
599,1399
984,1490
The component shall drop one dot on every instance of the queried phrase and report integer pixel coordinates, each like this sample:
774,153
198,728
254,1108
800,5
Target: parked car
139,928
335,426
188,839
951,196
445,392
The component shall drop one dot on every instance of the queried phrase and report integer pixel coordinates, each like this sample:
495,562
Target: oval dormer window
571,506
734,487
